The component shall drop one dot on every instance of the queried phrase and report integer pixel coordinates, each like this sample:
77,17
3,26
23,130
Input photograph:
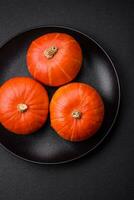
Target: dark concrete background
107,173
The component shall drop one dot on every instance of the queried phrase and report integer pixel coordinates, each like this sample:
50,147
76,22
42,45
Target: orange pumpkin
54,58
23,105
76,111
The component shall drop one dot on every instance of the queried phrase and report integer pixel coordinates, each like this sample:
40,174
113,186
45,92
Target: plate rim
118,85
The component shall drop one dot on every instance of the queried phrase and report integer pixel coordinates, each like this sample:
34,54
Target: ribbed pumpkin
54,58
23,105
76,111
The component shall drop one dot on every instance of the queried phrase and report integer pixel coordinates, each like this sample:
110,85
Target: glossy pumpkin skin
54,58
23,105
76,111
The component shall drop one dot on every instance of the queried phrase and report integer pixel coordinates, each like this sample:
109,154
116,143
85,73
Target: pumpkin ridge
36,110
12,116
67,115
27,122
59,106
94,121
13,90
32,92
49,70
37,113
41,104
39,72
83,105
78,127
65,73
25,92
35,102
76,60
63,127
91,109
56,36
36,44
73,129
79,94
68,42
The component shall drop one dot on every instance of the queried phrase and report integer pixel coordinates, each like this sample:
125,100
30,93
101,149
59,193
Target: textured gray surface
108,172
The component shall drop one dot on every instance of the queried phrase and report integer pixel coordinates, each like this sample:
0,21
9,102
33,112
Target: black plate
45,146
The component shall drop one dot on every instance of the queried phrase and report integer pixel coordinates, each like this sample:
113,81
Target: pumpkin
76,111
23,105
54,58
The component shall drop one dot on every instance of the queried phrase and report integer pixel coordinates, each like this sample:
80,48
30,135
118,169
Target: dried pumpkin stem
76,114
50,52
22,107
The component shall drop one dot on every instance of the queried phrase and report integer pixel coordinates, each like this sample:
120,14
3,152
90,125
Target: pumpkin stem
22,107
76,114
50,52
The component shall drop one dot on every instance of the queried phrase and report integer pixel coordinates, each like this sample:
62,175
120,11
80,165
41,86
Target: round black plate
45,146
